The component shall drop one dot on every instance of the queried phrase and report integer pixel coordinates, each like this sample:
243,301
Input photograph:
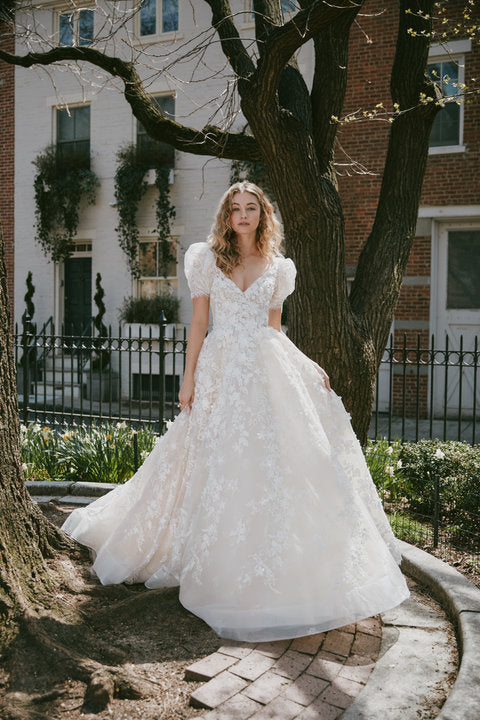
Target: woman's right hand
187,393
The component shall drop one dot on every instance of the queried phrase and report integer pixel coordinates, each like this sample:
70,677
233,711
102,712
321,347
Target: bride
257,501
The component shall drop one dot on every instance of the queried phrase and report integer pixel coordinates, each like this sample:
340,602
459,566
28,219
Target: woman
257,501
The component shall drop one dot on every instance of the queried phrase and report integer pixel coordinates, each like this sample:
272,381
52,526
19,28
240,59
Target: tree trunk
26,537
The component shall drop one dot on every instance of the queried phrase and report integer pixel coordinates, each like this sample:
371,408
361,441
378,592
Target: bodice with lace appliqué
238,312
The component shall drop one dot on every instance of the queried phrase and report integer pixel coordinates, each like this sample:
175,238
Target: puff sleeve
199,263
285,282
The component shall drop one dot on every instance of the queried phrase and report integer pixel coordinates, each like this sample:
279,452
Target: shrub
147,310
457,465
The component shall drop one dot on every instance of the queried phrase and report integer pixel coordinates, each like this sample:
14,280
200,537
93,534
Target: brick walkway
310,678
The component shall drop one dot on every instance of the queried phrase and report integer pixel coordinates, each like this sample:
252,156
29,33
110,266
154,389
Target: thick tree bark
26,538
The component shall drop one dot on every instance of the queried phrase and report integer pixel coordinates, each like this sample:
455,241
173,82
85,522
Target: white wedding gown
257,502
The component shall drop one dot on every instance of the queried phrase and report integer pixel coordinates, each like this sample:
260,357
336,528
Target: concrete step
67,377
50,393
68,362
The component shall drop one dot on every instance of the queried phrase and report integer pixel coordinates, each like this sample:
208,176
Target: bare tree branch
330,84
211,140
268,14
285,40
232,46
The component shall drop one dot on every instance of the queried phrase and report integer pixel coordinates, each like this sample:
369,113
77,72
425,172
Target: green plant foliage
411,530
147,310
30,310
60,184
28,297
164,213
457,465
130,187
102,360
383,460
40,446
93,454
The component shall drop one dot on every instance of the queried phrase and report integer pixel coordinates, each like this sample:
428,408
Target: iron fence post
135,451
26,365
436,509
161,390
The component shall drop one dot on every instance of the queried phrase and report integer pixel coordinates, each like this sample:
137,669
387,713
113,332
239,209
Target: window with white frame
150,281
157,17
157,148
76,27
73,133
446,67
463,288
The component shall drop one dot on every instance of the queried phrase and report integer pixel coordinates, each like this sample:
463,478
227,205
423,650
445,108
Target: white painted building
163,31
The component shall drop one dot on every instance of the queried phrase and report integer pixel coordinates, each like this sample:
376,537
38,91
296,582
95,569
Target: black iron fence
431,519
135,374
428,390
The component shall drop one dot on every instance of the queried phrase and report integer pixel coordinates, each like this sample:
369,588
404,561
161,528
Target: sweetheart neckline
269,265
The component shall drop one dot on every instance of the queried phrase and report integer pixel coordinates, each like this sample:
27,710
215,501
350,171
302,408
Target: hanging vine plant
60,184
130,187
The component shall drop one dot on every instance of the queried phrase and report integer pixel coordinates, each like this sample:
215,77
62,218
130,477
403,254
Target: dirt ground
148,632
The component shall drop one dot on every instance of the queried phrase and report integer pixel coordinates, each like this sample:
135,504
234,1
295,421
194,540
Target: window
73,133
150,281
463,288
76,28
156,148
158,16
446,128
446,66
147,387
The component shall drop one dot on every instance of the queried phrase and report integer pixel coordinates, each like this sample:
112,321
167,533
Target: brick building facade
449,214
7,145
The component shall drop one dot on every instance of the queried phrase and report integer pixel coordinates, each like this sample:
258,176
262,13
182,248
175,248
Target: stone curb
461,600
67,492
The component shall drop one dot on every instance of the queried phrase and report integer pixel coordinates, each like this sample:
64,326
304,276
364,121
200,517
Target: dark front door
78,294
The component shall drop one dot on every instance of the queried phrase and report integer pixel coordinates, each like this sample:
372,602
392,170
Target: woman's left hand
323,375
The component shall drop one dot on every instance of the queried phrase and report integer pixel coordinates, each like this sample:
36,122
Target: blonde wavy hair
222,238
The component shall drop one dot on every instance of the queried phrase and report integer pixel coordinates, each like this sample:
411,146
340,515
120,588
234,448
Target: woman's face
244,213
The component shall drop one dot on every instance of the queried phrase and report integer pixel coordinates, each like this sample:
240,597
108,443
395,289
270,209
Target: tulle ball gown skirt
257,502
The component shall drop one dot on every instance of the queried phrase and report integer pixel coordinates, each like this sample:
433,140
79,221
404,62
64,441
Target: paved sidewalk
338,674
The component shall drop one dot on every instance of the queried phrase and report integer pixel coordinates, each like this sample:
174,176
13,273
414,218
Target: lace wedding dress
257,502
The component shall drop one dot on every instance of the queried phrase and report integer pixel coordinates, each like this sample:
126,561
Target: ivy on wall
60,184
130,187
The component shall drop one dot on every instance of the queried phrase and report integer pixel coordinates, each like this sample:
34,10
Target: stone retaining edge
461,600
60,488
